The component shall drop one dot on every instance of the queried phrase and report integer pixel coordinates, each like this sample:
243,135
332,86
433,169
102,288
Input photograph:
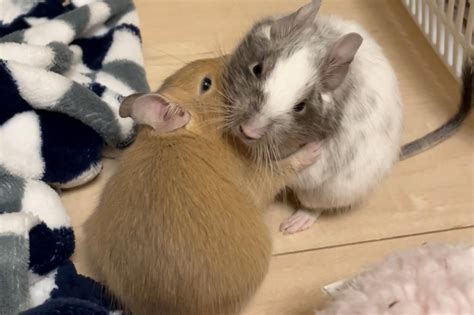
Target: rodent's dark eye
206,85
299,107
257,70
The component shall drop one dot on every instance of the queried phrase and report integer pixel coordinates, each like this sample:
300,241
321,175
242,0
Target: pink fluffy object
428,280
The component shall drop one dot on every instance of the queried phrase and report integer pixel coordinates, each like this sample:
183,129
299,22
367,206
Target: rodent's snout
250,132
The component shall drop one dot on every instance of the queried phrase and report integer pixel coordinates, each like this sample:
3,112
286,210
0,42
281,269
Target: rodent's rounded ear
303,17
338,60
156,111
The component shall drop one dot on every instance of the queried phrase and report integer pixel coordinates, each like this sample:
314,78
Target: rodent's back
174,235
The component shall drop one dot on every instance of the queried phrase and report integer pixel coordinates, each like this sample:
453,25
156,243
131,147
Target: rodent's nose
250,133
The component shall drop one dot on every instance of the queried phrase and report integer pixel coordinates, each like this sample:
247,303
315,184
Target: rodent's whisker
173,56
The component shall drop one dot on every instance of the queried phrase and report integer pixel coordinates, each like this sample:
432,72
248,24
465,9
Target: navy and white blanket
64,67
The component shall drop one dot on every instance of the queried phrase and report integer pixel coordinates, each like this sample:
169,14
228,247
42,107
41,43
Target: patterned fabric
64,68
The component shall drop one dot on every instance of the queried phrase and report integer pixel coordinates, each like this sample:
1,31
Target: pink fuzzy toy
429,280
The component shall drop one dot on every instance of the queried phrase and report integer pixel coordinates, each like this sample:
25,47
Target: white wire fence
448,25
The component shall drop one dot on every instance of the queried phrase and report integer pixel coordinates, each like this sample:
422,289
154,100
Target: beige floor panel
293,285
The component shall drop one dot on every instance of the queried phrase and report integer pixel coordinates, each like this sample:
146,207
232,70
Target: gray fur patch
15,37
78,19
11,192
93,112
128,72
118,6
62,57
92,76
14,286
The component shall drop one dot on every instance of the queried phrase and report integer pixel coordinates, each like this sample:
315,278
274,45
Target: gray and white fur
304,77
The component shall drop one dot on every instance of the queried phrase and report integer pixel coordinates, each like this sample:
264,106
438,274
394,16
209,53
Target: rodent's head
190,99
279,79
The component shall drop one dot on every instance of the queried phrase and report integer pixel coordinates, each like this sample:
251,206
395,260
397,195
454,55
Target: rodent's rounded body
174,233
366,144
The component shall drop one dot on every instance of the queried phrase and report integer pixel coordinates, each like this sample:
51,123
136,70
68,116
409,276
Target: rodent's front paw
309,153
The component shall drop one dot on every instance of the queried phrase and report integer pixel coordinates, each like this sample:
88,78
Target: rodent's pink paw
300,220
310,153
313,147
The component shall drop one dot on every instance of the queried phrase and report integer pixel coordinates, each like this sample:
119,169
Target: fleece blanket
431,279
65,65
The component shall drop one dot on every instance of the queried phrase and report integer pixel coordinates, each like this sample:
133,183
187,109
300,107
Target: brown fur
176,231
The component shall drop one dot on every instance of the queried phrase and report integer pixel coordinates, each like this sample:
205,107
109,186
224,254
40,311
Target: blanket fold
64,68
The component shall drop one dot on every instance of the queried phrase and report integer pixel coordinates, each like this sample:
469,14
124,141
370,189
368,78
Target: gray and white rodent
304,77
178,229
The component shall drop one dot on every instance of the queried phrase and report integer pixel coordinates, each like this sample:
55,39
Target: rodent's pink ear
156,111
338,60
304,17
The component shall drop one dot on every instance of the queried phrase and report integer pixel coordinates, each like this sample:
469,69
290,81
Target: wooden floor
427,198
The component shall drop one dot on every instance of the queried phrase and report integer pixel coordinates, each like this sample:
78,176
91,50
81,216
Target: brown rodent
178,229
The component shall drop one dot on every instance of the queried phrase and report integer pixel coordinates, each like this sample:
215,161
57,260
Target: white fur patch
126,46
44,95
113,83
52,31
18,223
326,97
80,3
10,9
42,201
130,18
33,21
99,13
41,289
78,76
287,82
36,56
20,143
